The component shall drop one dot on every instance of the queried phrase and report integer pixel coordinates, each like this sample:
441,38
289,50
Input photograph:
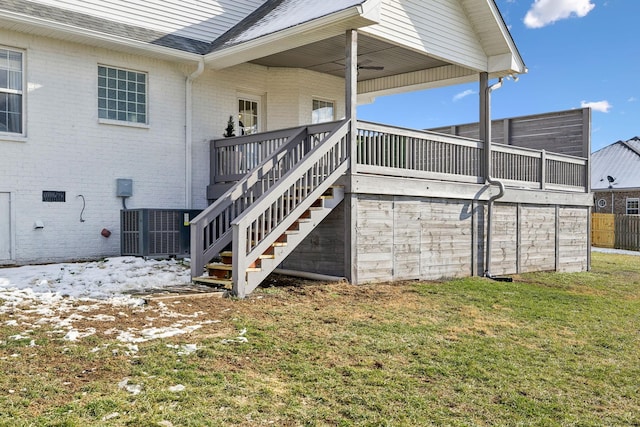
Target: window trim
635,200
22,135
117,122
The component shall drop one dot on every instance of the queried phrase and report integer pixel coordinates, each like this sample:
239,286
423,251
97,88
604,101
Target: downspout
485,126
188,137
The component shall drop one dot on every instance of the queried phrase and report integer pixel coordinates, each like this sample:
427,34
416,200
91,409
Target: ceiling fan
362,65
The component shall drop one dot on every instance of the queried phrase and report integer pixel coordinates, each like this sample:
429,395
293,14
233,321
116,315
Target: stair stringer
255,278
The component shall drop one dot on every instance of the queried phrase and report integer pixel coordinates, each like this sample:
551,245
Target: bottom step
208,280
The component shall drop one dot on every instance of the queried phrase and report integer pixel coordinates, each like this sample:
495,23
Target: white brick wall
67,149
286,94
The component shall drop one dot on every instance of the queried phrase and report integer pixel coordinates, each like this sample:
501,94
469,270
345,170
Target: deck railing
233,158
211,230
278,208
393,151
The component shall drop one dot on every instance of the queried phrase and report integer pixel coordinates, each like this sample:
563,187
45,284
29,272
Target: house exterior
116,105
615,178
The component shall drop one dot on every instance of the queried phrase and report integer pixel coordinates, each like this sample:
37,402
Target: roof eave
296,36
511,62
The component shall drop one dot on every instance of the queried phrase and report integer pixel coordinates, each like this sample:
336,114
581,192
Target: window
633,206
122,95
247,116
322,111
11,83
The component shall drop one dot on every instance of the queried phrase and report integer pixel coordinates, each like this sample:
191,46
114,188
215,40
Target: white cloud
602,106
459,96
632,99
545,12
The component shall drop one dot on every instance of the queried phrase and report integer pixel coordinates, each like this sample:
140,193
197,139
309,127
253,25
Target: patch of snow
240,339
131,388
61,295
185,349
111,416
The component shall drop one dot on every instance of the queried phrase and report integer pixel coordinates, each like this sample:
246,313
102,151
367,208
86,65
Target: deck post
351,92
484,122
350,200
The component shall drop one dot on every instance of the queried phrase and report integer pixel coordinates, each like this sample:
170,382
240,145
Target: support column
485,122
350,200
351,90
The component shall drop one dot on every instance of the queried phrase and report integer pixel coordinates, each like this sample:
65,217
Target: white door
5,226
249,123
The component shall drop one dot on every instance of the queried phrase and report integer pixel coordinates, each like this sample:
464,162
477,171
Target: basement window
633,205
122,95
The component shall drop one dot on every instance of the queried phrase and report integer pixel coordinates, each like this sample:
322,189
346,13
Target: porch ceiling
328,56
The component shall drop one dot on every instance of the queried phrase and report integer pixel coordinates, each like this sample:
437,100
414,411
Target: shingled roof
81,20
271,17
277,15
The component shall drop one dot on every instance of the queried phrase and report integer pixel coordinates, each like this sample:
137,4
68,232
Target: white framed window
122,95
633,206
11,91
322,111
248,115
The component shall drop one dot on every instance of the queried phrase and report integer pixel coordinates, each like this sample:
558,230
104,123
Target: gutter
188,136
486,130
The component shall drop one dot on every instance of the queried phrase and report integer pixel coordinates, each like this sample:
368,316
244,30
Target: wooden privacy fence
603,233
615,231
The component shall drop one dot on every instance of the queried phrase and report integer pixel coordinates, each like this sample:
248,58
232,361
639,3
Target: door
249,123
5,226
248,115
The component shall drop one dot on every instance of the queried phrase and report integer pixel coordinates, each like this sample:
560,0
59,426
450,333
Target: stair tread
229,267
230,254
212,280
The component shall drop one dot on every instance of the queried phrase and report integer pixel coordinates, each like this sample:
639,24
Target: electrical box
124,187
158,233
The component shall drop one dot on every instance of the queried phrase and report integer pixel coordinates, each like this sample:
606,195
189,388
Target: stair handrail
259,226
211,229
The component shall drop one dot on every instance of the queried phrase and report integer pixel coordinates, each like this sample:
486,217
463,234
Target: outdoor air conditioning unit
158,233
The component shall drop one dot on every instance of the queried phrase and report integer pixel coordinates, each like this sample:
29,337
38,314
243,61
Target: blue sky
578,52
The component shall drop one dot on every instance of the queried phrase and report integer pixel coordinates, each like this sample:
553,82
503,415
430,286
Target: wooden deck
412,205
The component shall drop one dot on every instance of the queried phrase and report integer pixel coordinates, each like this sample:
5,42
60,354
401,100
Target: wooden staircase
220,274
269,212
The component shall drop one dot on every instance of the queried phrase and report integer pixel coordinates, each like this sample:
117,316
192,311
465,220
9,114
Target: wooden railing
387,150
233,158
284,203
211,230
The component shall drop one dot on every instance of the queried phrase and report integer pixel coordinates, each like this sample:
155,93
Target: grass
548,349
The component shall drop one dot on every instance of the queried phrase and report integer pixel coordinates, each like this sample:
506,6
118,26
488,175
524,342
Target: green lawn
548,349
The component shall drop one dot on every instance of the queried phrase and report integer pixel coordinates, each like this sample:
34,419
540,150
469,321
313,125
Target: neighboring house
615,178
107,104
